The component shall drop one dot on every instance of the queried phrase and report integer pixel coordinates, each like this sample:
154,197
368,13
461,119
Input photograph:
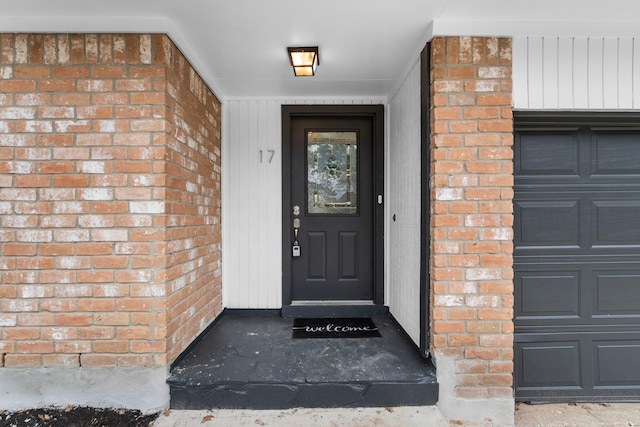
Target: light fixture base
304,60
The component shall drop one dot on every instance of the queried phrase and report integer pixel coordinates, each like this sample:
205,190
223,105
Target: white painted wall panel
403,201
570,73
550,72
252,199
595,74
535,84
610,75
625,69
565,71
635,67
580,60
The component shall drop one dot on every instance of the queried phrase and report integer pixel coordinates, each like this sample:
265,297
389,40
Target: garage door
577,257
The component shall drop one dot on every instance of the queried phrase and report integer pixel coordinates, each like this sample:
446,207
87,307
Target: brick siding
471,218
109,200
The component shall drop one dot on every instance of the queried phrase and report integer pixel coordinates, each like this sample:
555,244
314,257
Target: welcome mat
335,328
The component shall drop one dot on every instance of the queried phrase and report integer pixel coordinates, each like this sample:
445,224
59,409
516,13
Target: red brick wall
471,219
103,181
194,282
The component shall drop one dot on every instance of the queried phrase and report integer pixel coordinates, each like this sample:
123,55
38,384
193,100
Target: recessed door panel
549,294
348,255
317,258
549,364
543,153
616,154
617,221
548,223
609,371
617,293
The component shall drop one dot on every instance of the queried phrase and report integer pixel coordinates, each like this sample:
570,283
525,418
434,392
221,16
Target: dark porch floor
250,361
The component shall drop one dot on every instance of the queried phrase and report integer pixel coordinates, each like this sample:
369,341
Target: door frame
425,196
376,114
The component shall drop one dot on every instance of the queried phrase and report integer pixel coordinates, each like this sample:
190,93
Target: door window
332,172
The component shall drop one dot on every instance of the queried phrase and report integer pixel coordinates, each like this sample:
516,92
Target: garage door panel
585,221
560,295
617,362
617,293
617,222
535,157
548,223
548,295
580,366
616,153
549,364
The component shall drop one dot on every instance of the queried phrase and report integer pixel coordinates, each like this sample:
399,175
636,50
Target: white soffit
366,46
577,18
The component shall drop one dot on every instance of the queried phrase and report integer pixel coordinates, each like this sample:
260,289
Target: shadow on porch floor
248,360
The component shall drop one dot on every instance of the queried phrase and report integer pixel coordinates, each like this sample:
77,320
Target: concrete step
249,361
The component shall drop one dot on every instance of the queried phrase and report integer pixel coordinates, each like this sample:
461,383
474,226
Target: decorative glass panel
332,184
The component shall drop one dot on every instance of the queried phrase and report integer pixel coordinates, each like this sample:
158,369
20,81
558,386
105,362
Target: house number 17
266,156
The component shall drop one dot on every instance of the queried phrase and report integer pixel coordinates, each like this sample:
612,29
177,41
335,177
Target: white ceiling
366,46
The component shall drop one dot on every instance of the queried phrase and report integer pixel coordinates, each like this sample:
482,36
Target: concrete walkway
357,417
578,415
548,415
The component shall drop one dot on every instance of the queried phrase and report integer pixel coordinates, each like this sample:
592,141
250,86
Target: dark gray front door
577,257
332,161
333,206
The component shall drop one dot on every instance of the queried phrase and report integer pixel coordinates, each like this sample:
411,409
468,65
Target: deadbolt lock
296,245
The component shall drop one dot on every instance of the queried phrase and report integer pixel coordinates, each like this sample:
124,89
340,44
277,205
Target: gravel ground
76,417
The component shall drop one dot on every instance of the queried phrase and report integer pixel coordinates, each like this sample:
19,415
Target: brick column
471,226
109,210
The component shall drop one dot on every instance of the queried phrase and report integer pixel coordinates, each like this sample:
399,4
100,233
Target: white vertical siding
403,201
252,200
570,73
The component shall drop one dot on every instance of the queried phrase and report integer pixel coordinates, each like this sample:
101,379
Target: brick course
471,218
109,200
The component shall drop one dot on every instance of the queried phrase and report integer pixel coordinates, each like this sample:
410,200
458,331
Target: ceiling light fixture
304,60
